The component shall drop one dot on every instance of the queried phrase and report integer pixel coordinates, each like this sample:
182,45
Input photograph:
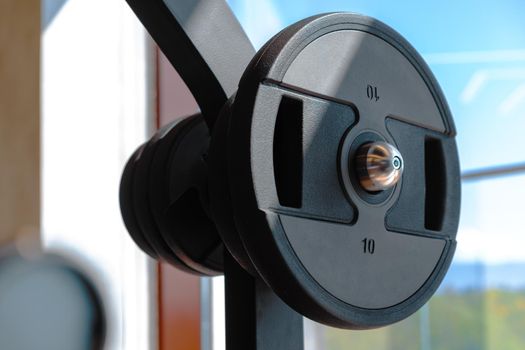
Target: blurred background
82,84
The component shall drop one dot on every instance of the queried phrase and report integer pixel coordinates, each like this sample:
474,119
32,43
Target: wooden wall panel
179,310
19,118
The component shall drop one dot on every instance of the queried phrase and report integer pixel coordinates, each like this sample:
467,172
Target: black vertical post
256,318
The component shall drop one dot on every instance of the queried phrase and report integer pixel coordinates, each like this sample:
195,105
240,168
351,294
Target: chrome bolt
379,166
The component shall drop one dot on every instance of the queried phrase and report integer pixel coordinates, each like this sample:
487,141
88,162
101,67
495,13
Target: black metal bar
480,174
204,42
256,318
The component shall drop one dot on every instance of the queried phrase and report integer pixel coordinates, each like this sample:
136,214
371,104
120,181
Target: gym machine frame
187,33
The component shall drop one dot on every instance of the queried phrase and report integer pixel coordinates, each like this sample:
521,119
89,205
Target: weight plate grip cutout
331,176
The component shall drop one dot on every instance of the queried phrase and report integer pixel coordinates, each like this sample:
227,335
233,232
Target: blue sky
431,26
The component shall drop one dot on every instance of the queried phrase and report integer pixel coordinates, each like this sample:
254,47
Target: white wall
95,88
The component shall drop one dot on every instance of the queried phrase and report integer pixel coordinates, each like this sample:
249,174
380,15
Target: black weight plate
333,256
220,199
126,206
141,204
177,189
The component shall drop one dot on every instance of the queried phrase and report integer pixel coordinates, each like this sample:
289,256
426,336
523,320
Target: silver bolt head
379,166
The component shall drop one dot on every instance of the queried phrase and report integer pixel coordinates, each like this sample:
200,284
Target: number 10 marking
371,93
369,246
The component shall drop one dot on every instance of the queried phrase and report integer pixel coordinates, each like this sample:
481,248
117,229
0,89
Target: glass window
477,52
